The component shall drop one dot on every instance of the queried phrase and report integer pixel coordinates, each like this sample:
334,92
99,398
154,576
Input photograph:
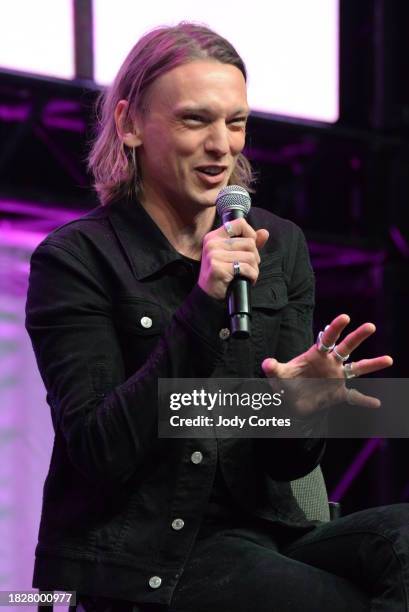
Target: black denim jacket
111,308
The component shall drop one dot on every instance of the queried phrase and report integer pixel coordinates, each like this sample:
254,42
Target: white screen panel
37,36
290,46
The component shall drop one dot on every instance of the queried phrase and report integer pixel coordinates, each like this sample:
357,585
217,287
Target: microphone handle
238,294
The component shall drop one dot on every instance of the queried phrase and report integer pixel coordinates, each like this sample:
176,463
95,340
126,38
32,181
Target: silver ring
323,348
338,356
236,268
229,229
348,371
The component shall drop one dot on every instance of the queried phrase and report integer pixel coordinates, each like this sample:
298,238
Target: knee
389,521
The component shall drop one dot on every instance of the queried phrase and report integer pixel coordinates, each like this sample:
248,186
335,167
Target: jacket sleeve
69,320
296,323
291,458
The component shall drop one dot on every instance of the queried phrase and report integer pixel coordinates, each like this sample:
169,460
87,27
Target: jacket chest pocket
269,298
139,324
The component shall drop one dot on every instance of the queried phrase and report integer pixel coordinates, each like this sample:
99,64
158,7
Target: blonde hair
113,164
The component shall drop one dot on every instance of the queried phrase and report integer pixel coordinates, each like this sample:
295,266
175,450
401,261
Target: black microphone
233,202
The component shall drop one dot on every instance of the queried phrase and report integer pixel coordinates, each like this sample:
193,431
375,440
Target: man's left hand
325,360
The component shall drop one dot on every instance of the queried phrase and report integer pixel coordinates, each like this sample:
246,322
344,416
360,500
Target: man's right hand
220,251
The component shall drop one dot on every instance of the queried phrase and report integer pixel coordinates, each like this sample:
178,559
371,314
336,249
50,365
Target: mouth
211,173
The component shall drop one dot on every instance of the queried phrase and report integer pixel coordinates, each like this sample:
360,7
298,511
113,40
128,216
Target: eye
238,122
193,119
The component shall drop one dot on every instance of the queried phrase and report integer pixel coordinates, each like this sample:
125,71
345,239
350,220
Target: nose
217,139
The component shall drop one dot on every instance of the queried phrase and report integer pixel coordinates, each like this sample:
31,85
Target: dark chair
311,494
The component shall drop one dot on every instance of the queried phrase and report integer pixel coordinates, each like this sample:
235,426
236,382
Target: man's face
192,132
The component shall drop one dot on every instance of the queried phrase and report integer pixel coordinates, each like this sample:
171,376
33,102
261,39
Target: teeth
211,170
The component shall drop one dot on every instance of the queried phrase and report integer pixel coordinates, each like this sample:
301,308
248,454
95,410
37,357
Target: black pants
353,564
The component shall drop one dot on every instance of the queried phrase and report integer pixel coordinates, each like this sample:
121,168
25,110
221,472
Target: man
135,291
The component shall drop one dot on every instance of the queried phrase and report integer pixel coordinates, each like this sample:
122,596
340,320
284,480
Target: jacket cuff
204,316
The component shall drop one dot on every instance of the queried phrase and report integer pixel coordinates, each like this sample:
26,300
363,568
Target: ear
128,131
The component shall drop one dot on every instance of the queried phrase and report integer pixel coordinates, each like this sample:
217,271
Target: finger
241,256
234,244
355,338
270,367
262,237
356,398
237,227
367,366
232,249
273,368
246,271
229,257
333,331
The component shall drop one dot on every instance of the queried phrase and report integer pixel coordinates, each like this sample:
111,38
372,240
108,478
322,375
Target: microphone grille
233,197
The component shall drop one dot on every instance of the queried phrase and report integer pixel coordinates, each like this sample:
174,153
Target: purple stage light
355,468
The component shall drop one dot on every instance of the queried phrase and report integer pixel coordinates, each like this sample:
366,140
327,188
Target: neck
185,229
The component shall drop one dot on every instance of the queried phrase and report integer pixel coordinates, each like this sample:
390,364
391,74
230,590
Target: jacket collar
146,247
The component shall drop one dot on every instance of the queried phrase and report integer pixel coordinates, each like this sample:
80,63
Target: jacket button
224,333
146,322
196,457
178,524
155,582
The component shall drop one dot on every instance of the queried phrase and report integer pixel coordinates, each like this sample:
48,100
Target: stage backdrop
25,425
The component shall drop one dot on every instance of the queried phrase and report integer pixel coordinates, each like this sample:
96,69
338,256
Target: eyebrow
207,111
